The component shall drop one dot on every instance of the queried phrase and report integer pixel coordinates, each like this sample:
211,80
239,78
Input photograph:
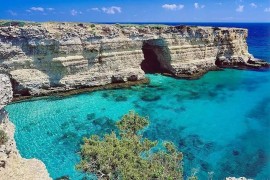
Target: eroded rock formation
12,165
41,58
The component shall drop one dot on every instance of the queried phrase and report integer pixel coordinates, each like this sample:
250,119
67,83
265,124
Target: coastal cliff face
5,90
12,165
49,57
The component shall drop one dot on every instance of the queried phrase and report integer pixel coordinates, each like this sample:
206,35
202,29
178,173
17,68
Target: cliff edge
49,57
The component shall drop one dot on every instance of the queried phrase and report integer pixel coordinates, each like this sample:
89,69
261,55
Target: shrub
12,23
129,155
3,137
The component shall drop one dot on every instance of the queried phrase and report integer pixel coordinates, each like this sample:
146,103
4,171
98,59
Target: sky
136,10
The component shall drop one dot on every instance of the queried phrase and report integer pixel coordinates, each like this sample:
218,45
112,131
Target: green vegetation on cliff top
5,23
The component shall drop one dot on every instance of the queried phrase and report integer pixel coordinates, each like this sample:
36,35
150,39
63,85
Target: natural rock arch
157,58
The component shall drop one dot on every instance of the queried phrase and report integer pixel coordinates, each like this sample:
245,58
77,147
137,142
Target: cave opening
156,57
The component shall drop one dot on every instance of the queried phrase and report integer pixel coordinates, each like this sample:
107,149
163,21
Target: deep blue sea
220,122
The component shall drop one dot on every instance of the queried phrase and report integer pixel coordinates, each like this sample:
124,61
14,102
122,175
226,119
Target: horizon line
133,22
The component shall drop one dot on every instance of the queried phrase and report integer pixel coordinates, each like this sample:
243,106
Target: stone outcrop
5,90
41,58
12,165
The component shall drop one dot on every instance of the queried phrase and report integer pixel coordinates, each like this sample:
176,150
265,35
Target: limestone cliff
41,58
12,165
5,90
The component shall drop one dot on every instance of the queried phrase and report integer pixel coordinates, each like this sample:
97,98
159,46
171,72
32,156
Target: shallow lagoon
221,122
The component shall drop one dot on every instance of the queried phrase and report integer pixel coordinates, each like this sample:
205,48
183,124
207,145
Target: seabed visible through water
220,122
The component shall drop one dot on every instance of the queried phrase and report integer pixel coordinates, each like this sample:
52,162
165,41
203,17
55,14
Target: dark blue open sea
220,122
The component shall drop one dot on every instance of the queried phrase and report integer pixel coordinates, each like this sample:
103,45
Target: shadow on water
115,96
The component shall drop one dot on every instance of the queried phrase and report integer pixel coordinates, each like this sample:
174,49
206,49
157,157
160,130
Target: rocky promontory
42,58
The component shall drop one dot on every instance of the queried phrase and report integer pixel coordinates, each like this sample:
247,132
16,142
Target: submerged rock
63,178
150,97
189,156
105,95
235,152
91,116
205,166
121,98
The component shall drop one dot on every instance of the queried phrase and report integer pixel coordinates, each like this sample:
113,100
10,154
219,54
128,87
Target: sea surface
220,122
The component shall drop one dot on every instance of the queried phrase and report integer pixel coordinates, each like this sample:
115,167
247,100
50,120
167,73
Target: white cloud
267,9
172,6
41,9
253,5
240,8
95,9
198,6
74,12
12,13
111,10
220,3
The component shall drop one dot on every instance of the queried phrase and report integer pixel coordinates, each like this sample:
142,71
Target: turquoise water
220,122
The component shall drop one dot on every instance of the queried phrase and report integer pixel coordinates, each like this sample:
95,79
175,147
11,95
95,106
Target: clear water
220,122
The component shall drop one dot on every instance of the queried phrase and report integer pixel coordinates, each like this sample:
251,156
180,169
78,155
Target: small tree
3,137
129,156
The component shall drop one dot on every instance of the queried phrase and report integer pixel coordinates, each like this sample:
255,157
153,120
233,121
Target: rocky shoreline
64,93
239,63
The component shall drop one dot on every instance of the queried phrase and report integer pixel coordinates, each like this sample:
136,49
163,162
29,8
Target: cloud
198,6
111,10
50,9
253,5
95,9
267,9
74,12
12,13
41,9
172,6
240,8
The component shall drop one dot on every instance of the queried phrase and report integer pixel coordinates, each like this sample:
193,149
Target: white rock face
5,90
48,56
